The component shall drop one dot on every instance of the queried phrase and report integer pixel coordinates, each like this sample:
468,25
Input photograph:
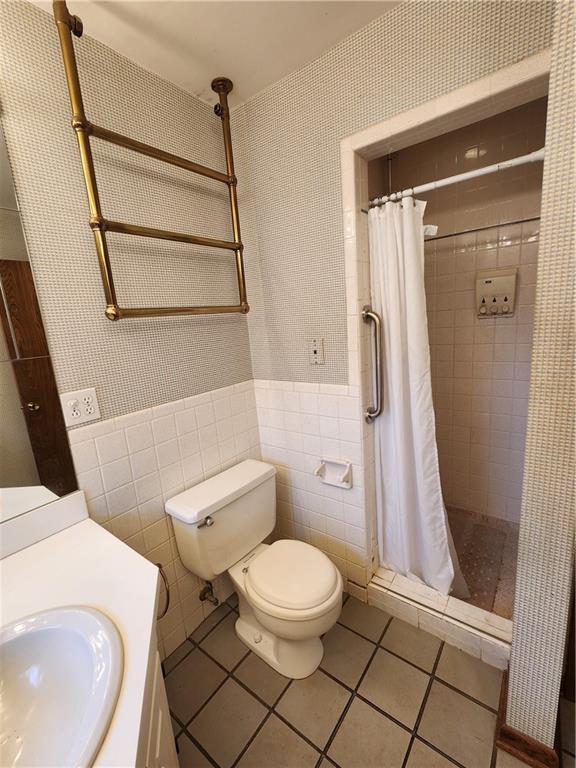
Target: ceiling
254,43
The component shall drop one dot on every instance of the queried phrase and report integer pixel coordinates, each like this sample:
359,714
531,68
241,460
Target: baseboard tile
450,607
476,642
354,590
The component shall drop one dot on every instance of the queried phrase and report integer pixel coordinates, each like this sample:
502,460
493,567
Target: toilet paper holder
335,472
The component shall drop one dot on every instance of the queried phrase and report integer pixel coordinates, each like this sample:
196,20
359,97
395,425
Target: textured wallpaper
545,580
287,150
132,363
291,133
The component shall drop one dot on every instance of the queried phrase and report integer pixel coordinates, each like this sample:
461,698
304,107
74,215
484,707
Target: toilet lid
292,574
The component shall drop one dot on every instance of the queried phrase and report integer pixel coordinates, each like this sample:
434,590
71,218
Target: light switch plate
496,292
80,406
317,351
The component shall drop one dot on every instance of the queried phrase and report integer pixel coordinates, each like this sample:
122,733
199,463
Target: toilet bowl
289,592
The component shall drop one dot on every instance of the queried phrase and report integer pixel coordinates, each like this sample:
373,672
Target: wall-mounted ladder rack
69,25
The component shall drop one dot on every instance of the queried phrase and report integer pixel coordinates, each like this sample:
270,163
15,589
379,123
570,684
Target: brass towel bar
69,25
161,234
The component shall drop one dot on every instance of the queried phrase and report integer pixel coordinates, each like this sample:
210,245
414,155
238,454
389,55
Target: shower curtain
413,533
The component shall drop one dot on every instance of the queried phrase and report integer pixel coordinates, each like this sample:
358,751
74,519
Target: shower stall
487,229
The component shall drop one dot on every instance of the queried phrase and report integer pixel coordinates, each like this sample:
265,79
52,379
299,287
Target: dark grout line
297,732
385,714
336,680
242,684
271,709
465,695
229,673
355,631
370,660
353,692
336,728
423,705
439,679
191,644
200,748
194,643
252,738
228,612
208,700
329,760
445,755
406,661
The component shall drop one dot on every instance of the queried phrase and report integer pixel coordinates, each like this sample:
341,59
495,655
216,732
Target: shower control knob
505,309
494,309
482,310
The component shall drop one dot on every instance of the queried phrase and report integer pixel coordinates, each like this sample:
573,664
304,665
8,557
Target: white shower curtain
413,532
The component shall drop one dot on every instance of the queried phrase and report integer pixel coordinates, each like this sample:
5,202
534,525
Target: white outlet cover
80,406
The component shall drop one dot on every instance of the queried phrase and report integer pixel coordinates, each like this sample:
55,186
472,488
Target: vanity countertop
85,565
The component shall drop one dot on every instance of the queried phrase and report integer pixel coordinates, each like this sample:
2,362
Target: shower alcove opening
480,366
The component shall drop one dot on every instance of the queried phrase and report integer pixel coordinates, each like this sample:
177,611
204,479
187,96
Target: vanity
53,558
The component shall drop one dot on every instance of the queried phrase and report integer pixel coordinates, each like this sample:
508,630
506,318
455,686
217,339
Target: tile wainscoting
300,423
130,465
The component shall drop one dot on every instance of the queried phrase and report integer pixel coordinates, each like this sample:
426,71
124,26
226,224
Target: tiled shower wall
480,366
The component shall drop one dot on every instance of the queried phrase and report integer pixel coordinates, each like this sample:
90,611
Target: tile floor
387,695
487,548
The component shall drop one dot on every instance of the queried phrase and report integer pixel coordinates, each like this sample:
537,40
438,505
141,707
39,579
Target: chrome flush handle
207,522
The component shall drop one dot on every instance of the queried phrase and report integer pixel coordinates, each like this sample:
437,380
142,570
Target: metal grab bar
369,316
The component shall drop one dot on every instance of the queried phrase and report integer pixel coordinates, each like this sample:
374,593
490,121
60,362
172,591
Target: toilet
289,592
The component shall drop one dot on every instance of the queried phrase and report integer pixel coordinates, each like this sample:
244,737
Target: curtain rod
480,229
531,157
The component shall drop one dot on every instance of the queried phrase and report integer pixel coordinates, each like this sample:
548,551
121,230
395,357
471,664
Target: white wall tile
163,428
121,500
84,456
185,421
139,437
167,453
111,447
296,429
143,463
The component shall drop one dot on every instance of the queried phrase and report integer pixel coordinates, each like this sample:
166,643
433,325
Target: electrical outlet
80,406
317,351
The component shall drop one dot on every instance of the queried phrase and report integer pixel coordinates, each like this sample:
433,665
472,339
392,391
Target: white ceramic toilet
289,592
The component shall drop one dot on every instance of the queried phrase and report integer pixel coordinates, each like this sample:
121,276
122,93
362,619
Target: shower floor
487,549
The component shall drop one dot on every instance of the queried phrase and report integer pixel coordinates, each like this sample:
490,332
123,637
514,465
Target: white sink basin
60,676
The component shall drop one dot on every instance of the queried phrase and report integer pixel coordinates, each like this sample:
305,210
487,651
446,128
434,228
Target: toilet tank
220,520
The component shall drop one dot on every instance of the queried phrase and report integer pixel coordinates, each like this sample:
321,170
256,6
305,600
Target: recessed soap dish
335,472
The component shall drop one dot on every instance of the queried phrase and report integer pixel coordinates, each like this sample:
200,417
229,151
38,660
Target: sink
60,676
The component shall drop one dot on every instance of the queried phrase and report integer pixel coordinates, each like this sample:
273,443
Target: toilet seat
293,580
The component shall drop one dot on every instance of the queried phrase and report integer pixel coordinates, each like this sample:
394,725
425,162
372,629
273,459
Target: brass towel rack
69,25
